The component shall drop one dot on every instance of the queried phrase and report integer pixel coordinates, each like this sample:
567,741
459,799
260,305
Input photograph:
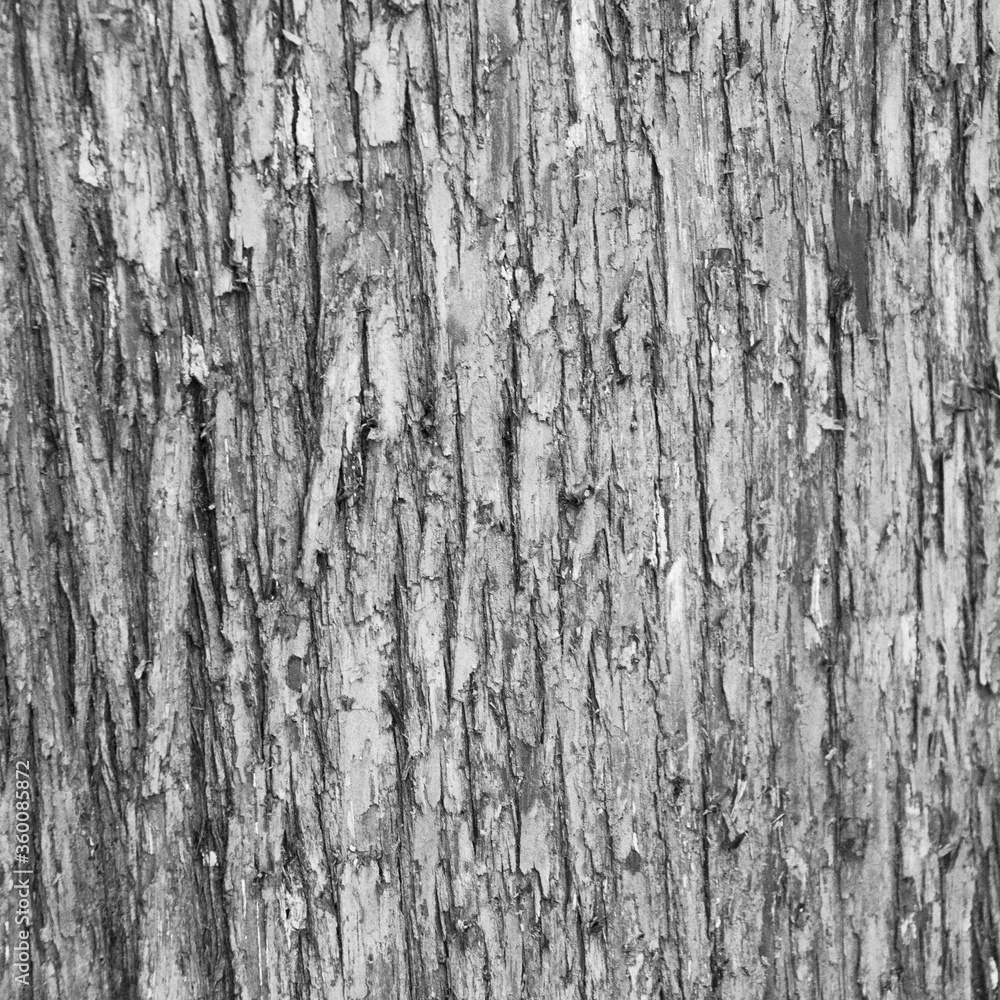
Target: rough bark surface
502,499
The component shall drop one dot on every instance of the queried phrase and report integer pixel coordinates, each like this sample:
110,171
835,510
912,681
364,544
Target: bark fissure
502,499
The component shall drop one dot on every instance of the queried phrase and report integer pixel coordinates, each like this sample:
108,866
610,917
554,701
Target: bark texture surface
502,499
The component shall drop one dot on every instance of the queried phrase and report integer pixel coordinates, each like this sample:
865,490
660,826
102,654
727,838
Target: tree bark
501,500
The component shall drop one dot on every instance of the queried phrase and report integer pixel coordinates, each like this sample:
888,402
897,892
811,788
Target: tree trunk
500,501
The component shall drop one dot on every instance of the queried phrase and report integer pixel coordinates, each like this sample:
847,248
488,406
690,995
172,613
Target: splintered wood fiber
501,499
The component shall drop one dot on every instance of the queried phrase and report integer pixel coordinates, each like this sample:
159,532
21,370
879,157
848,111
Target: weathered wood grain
501,499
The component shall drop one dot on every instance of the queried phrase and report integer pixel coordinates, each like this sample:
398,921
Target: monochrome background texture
500,498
